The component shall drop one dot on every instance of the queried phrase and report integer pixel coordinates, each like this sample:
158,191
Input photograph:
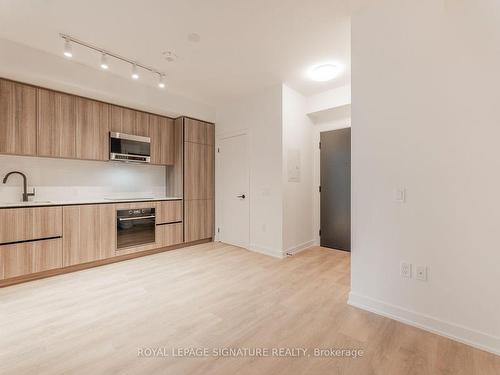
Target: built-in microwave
131,148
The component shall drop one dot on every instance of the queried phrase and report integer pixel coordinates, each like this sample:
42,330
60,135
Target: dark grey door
336,189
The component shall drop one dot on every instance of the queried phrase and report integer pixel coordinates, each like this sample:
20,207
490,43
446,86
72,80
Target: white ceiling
245,44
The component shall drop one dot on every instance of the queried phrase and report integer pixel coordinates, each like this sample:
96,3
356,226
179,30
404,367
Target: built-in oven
131,148
135,227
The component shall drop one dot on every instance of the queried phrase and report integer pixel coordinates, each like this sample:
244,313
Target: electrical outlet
406,270
421,273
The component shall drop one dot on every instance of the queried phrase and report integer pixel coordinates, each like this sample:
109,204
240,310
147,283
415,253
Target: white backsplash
70,180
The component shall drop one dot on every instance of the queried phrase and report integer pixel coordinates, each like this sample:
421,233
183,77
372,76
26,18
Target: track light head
161,81
68,51
135,73
104,61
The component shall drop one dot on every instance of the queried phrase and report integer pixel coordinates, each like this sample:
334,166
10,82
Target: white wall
425,116
70,180
297,198
337,97
260,114
37,67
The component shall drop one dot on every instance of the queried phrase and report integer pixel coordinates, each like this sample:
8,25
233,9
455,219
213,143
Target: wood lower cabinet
30,257
17,118
89,233
169,234
92,129
162,140
24,224
168,211
198,219
56,135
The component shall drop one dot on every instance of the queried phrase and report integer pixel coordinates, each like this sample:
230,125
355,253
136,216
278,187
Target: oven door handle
136,218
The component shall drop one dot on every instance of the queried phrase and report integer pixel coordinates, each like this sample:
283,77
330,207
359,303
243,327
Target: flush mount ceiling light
324,72
105,54
68,51
104,61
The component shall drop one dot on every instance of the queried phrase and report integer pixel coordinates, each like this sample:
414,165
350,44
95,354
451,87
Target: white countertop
86,201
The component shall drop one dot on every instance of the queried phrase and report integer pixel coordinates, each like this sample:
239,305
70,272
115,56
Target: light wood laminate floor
213,295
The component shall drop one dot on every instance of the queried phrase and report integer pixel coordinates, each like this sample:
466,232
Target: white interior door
234,190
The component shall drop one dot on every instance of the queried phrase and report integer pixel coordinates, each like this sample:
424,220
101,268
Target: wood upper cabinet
56,124
89,233
129,121
161,131
17,118
24,224
199,132
30,257
92,129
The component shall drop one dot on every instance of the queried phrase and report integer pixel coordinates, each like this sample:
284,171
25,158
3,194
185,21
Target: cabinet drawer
168,212
169,234
30,257
22,224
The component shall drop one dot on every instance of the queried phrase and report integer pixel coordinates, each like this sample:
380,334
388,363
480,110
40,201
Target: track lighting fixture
105,55
68,51
135,74
104,61
161,81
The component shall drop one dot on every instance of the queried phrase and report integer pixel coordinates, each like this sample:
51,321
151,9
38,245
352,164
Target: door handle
242,196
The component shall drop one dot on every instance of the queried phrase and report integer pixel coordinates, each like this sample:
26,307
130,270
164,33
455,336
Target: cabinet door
161,131
30,223
56,124
194,171
198,219
169,234
92,130
128,121
30,257
17,118
89,233
195,131
168,211
141,124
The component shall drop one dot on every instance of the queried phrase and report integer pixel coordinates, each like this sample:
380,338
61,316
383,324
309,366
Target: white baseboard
455,332
276,253
297,249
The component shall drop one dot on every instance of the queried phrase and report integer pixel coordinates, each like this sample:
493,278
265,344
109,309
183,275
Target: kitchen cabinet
30,257
89,233
169,234
92,129
162,140
199,132
168,211
129,121
24,224
198,219
199,168
56,128
17,118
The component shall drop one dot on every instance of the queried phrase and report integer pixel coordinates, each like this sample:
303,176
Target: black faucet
25,185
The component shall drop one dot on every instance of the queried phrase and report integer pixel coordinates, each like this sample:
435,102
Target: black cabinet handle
242,196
